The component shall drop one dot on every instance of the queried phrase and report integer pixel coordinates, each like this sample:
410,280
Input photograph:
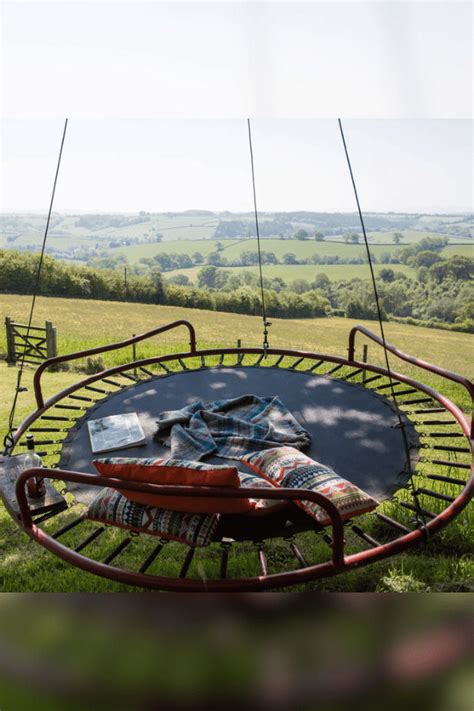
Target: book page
115,432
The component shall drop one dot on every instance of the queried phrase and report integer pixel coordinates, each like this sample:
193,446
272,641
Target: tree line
18,273
441,295
170,261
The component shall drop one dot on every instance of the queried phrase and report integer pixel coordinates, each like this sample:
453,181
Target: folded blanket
229,428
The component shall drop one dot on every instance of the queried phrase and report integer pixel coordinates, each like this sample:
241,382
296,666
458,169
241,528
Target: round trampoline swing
395,437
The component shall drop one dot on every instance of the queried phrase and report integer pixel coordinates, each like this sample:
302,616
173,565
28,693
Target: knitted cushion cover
111,507
287,467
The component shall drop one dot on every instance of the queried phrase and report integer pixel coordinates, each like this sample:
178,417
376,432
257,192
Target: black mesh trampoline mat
353,429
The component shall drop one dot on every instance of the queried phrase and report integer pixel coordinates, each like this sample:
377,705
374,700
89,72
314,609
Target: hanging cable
420,519
266,324
8,441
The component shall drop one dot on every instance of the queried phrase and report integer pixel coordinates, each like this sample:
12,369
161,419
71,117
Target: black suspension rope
419,514
8,439
266,324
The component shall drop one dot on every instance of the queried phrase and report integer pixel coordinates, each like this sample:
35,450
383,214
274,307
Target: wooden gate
33,346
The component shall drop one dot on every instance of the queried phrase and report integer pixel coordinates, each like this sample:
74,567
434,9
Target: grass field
287,272
186,234
87,323
233,248
301,248
446,564
173,227
61,243
409,236
189,226
466,250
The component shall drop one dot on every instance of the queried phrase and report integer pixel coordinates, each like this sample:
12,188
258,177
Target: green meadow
67,234
88,323
290,272
301,248
191,233
466,250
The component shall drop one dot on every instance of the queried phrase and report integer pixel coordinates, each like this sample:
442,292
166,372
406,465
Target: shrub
94,365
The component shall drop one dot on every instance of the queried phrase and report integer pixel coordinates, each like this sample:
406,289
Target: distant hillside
86,236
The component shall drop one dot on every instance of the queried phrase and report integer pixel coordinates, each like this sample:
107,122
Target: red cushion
168,471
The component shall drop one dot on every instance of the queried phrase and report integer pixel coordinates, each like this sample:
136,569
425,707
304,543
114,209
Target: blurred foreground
272,651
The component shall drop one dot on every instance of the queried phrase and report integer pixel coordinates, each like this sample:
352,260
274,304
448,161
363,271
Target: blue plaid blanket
229,428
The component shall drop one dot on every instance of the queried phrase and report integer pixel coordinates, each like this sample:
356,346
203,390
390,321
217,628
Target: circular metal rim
294,577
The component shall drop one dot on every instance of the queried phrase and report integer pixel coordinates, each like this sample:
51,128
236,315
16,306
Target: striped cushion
111,507
287,467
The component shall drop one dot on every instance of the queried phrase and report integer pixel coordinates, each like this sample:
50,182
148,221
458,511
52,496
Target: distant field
409,236
335,272
58,242
173,227
183,226
466,250
233,248
301,248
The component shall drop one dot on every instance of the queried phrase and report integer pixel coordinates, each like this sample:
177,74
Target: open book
115,432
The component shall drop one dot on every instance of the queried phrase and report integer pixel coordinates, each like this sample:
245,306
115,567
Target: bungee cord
420,519
266,323
8,441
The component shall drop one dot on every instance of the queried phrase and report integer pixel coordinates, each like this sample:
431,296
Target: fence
32,345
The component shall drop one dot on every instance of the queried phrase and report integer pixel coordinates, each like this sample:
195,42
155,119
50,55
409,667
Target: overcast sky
140,80
157,165
229,59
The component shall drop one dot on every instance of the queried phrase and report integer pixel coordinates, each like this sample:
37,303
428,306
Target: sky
163,165
157,94
230,59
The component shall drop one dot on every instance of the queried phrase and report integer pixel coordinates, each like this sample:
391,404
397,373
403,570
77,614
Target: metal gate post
51,345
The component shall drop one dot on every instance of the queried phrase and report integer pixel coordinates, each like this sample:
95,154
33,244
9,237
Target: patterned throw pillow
287,467
261,506
111,507
175,472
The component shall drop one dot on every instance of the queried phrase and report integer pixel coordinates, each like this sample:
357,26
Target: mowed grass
87,323
83,324
24,566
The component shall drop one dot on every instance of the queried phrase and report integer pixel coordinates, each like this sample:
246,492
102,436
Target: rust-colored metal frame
339,561
454,377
